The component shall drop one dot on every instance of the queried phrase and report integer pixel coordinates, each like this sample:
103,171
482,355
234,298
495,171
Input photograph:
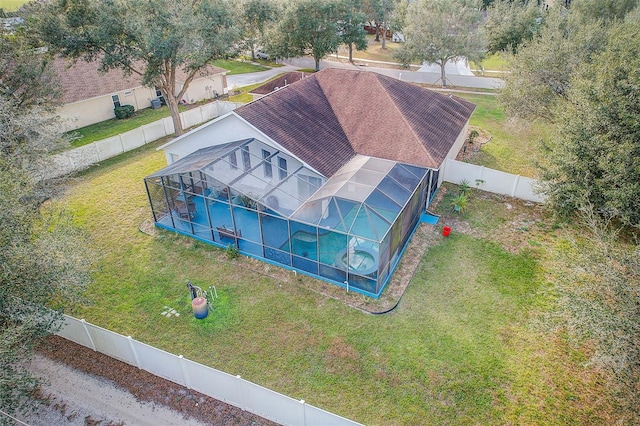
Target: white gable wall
228,128
453,152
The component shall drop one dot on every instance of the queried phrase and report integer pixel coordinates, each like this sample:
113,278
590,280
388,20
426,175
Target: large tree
380,13
511,23
256,16
26,78
152,38
43,263
351,26
603,10
593,158
542,70
439,31
308,27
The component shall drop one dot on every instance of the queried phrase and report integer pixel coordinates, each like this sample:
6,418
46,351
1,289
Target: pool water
359,261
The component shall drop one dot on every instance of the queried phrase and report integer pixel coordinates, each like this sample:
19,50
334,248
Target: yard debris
169,312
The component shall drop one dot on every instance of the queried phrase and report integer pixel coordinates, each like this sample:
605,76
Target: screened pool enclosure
349,229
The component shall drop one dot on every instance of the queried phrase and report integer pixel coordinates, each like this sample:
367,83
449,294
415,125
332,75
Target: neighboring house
328,176
277,84
89,96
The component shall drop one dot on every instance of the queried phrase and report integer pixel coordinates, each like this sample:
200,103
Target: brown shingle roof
81,80
280,82
301,119
327,118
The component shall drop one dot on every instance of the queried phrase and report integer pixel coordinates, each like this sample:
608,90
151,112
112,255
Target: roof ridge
404,117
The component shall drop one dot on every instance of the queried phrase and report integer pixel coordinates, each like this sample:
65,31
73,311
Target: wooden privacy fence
79,158
222,386
491,180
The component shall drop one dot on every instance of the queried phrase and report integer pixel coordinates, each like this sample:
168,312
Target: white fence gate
79,158
491,180
222,386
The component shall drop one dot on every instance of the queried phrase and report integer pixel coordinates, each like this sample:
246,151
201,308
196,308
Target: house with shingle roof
90,96
328,176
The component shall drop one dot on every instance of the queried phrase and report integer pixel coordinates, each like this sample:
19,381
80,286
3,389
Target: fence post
86,330
185,375
242,402
515,185
144,134
133,350
200,108
304,412
95,146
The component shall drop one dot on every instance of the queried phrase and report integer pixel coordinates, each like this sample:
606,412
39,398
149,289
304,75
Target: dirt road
89,388
78,398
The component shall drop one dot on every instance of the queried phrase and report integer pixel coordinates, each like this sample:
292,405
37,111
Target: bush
124,111
232,251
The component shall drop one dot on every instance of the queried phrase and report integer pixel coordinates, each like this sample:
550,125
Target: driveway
241,80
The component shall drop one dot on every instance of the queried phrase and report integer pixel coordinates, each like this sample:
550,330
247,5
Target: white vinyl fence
491,180
222,386
79,158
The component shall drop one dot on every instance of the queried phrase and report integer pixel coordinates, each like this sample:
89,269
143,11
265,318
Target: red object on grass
446,231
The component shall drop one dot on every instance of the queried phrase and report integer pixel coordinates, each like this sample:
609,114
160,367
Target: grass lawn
238,66
511,149
460,348
12,5
113,127
374,50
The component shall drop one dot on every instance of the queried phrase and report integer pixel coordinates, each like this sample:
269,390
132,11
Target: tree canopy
511,23
256,16
43,260
596,145
350,26
308,27
542,70
439,31
379,12
155,39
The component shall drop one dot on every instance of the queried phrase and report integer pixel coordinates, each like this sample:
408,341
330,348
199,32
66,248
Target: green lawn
12,5
511,149
238,66
113,127
460,348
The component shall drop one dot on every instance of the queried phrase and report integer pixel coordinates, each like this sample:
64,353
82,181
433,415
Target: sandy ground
77,398
84,387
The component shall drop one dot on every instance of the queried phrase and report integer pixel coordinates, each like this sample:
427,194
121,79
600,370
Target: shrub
232,251
124,111
459,202
473,135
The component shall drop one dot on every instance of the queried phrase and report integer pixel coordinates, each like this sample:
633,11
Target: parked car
261,54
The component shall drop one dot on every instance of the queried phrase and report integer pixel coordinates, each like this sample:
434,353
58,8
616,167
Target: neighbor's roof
82,80
280,82
329,117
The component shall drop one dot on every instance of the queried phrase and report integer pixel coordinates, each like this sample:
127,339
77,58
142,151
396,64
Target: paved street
456,81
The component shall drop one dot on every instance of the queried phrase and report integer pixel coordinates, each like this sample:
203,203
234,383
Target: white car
261,54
